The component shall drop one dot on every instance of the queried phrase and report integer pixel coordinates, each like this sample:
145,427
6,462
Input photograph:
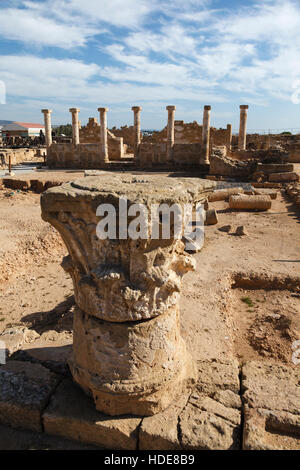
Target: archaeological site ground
183,343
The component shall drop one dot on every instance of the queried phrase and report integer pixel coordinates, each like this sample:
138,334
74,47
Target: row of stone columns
75,129
137,130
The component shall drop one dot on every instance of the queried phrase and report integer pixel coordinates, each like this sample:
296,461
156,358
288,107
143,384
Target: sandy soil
216,322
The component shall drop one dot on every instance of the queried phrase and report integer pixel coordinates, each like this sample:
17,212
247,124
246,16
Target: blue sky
119,53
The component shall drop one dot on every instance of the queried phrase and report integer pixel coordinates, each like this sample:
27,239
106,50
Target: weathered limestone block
71,414
275,167
284,177
223,165
127,352
25,389
211,419
271,397
211,217
160,432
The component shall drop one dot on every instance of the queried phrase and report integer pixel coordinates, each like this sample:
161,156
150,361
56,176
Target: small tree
65,129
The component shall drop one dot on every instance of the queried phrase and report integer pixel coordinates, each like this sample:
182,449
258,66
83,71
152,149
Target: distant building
22,129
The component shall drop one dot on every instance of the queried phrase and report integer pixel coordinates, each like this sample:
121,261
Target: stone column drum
103,133
243,127
136,129
229,137
48,128
75,125
127,352
205,135
170,132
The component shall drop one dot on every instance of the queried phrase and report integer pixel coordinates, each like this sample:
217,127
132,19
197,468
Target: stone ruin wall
90,134
87,154
153,148
187,147
18,156
288,143
127,134
178,144
71,156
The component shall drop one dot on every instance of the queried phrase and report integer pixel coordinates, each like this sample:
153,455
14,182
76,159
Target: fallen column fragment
266,192
250,202
223,194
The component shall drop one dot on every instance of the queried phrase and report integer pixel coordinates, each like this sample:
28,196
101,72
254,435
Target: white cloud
156,51
172,40
74,82
29,26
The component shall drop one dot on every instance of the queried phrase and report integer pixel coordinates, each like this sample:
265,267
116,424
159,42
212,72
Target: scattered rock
240,231
225,228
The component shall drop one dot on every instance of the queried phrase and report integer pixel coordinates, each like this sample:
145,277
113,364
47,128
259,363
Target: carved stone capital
127,352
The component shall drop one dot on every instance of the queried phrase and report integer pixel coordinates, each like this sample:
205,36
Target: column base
136,368
149,404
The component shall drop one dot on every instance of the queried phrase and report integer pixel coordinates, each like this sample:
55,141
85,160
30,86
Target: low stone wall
187,154
127,134
152,154
90,134
17,156
190,133
71,156
155,155
294,153
220,137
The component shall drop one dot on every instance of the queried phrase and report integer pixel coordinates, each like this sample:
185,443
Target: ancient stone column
75,125
137,130
48,128
229,137
243,127
205,135
127,352
170,132
103,133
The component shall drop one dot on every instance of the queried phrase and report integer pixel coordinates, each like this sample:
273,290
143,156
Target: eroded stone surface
139,367
212,418
121,280
271,386
127,352
71,414
17,439
271,395
160,432
25,389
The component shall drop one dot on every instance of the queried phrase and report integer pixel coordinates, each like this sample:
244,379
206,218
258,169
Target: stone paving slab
209,419
271,396
160,432
72,415
17,439
25,389
212,418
